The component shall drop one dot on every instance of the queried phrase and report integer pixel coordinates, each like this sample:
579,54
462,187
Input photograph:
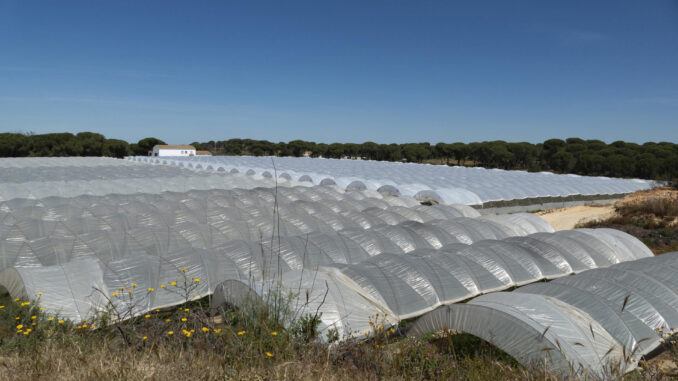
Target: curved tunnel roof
591,321
445,184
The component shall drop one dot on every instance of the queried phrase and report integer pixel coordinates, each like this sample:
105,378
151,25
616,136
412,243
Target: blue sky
346,71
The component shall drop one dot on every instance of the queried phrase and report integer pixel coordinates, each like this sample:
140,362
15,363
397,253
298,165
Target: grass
653,221
192,341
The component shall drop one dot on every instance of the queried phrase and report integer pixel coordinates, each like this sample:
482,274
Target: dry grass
244,344
651,216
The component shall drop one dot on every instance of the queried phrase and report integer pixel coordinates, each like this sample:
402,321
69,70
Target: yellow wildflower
240,333
186,309
217,330
173,283
19,326
168,320
34,323
162,286
197,280
39,293
269,354
1,307
34,317
61,322
170,333
183,270
42,308
134,284
147,316
129,291
121,288
151,289
274,333
50,319
184,319
115,294
144,338
17,318
26,332
17,299
205,329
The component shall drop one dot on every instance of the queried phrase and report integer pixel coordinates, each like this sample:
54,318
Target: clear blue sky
385,71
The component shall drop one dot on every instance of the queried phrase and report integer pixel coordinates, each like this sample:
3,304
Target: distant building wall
160,150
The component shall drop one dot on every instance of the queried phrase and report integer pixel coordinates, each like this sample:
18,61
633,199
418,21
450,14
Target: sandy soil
567,218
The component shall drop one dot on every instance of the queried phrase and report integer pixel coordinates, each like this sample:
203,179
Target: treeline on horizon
573,155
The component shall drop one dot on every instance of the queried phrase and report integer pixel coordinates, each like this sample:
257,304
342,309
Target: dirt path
567,218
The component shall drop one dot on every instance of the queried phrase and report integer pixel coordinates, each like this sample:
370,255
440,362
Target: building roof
164,146
203,153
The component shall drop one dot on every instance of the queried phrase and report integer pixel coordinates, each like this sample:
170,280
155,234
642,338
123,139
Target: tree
335,150
550,148
369,150
298,147
562,161
91,144
416,152
145,145
524,154
647,166
460,152
14,145
115,148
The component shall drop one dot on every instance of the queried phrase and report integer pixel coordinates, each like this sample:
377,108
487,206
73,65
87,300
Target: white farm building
168,150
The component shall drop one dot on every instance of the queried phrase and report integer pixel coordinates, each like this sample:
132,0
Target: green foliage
650,160
585,157
115,148
62,144
145,145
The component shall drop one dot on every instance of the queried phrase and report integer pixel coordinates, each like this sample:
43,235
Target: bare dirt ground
651,216
568,218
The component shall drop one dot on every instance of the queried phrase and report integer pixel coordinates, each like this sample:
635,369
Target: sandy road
564,219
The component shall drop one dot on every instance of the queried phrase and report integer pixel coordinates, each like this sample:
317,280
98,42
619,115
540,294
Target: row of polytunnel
74,234
597,321
27,178
462,185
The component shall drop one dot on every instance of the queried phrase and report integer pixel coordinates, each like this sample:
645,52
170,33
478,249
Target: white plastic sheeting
591,322
67,247
397,286
68,177
452,185
31,163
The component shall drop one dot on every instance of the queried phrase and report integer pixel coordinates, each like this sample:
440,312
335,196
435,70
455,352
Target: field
119,269
193,342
